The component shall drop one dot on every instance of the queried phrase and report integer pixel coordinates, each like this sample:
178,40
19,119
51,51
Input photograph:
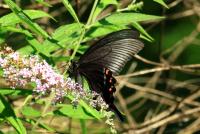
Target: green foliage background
158,91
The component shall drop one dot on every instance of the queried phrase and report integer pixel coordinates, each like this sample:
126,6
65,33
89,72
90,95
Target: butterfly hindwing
108,91
94,75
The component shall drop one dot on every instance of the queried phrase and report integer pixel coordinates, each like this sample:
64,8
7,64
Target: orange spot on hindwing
109,82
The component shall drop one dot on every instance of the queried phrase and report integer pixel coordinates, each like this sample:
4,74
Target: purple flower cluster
19,71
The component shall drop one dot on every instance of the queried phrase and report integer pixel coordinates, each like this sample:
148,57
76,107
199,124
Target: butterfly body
103,60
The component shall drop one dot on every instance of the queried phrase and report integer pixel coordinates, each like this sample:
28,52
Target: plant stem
46,107
91,19
78,44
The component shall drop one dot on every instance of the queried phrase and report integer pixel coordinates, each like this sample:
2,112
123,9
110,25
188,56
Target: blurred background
159,89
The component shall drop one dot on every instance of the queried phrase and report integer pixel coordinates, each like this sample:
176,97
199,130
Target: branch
174,117
185,68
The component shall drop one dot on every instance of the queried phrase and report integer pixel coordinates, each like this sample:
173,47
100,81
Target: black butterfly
103,60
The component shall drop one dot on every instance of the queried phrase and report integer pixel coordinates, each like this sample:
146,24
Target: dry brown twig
162,67
174,117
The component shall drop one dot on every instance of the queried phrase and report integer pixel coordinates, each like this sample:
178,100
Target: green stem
78,44
83,126
91,19
47,105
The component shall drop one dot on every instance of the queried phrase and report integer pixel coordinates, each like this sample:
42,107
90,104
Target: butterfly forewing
96,55
113,52
123,34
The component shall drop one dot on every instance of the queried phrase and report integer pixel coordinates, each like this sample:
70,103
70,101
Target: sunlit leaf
102,30
9,115
70,9
127,18
12,19
162,3
43,3
10,91
26,19
63,37
142,30
76,113
17,30
102,5
29,111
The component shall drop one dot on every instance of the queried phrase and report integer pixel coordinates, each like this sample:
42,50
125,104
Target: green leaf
63,37
2,107
142,30
40,124
145,38
12,19
26,19
102,30
82,48
119,21
162,3
17,30
95,32
43,3
67,33
76,113
61,58
91,110
70,9
8,114
102,5
38,46
29,111
126,18
10,91
1,72
3,34
26,50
